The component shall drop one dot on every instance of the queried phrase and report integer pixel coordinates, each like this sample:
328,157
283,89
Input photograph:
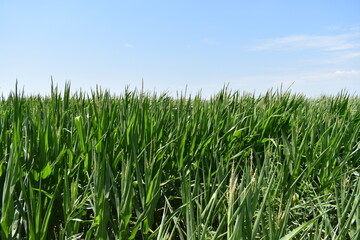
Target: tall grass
147,166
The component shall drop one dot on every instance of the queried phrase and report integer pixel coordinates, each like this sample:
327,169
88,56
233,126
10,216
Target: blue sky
250,45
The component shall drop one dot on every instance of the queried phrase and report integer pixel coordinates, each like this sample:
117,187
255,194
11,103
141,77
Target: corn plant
141,165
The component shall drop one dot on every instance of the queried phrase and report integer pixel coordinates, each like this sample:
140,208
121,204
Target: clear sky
250,45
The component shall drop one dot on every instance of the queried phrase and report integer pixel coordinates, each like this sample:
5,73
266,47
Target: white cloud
335,58
128,45
299,42
337,27
311,83
334,27
347,73
321,76
351,55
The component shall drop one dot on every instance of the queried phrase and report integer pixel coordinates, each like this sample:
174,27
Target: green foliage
147,166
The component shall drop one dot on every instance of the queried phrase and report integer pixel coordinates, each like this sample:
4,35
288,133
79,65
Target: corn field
142,165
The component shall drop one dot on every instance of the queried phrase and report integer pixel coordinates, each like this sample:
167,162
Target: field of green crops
145,166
